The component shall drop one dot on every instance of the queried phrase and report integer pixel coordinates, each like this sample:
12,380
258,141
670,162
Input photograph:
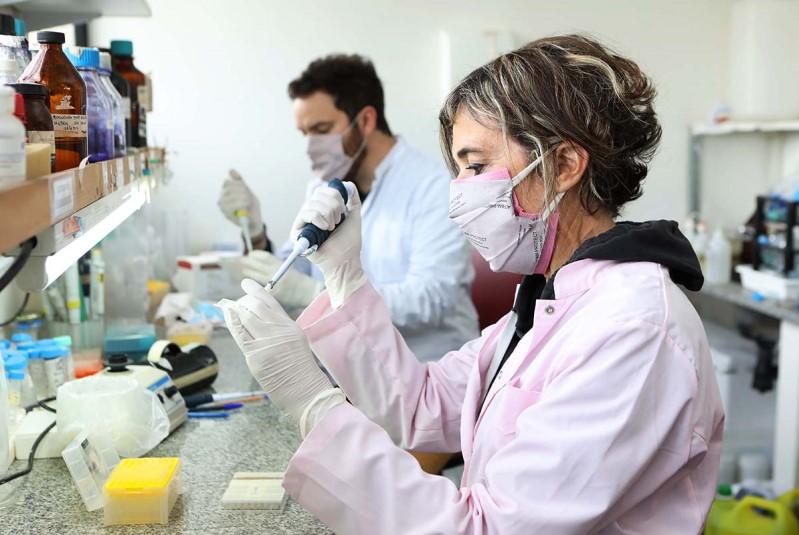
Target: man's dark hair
350,79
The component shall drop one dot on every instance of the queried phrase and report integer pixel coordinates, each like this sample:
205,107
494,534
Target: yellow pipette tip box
142,491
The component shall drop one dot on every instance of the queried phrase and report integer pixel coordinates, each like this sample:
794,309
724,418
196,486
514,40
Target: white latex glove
235,196
294,290
279,356
339,258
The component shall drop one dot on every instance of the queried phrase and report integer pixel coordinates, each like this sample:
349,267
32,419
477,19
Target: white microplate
255,490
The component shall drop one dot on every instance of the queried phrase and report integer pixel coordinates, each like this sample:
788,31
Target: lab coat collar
383,171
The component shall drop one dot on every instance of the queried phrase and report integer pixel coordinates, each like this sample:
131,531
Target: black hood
660,242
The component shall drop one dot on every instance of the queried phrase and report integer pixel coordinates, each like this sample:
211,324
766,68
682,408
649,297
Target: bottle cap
7,95
19,113
53,352
16,375
7,25
83,57
5,344
26,88
122,48
8,65
19,28
105,61
50,37
16,360
64,341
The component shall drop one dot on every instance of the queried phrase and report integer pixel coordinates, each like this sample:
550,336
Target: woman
590,408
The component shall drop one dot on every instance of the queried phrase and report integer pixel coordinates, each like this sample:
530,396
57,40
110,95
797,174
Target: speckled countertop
255,438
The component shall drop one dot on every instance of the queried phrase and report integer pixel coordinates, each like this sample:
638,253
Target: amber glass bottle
67,99
122,55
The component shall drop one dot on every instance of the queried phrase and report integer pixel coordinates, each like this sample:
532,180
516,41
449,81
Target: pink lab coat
605,419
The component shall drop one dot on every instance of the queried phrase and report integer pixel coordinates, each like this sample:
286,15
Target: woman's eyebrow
465,151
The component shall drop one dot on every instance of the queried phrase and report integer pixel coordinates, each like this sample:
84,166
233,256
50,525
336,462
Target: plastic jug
750,516
791,501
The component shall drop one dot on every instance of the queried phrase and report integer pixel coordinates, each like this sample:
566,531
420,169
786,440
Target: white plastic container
768,284
718,260
90,459
8,71
12,140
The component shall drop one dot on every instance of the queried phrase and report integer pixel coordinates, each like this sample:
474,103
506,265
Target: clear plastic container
133,340
142,491
55,367
35,367
99,109
91,458
19,384
66,342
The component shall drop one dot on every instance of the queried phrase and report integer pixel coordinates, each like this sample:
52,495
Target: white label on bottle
144,97
70,125
12,158
126,107
43,136
63,197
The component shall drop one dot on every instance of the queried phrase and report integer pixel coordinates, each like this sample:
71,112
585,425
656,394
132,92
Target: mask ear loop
363,142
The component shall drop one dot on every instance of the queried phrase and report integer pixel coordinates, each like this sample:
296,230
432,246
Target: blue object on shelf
133,340
758,298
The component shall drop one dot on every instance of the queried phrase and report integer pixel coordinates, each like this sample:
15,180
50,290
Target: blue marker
213,415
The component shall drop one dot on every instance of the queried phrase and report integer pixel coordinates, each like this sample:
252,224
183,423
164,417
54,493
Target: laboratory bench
256,438
713,304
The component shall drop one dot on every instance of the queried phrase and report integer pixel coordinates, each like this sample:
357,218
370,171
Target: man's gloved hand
339,258
294,290
279,356
235,196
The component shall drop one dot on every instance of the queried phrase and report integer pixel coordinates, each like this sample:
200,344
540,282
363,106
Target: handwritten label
70,125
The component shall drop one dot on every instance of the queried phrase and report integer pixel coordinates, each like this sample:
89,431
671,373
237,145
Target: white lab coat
415,257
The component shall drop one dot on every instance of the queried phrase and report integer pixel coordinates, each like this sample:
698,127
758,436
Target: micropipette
243,216
311,237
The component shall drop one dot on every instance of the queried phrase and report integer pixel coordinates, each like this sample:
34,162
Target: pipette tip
270,285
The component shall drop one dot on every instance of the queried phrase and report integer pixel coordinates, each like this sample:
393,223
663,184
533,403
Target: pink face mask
486,210
328,159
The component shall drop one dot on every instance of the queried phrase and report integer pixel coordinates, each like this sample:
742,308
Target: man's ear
368,120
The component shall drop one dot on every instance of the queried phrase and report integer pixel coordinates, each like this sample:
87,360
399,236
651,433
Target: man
415,257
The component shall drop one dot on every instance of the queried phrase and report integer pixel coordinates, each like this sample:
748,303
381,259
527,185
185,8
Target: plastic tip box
142,491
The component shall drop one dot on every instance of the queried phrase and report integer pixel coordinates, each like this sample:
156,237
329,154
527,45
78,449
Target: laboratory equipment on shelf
67,92
312,237
777,228
99,105
117,104
12,140
37,112
13,46
122,55
243,215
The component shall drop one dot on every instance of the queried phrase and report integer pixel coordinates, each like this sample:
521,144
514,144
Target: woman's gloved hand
296,290
279,356
339,258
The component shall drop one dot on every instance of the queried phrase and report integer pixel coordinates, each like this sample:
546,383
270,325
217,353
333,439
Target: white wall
220,71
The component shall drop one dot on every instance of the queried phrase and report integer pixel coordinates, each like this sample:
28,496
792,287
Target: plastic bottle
12,140
20,386
100,108
66,343
21,31
36,369
118,105
11,45
122,54
55,366
8,71
719,259
97,284
123,88
67,99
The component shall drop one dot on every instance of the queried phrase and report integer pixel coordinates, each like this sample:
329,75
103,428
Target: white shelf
744,127
39,14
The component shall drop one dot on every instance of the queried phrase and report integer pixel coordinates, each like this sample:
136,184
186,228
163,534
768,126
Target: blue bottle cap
15,375
758,298
5,344
83,57
21,337
19,26
65,341
122,48
16,362
53,352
